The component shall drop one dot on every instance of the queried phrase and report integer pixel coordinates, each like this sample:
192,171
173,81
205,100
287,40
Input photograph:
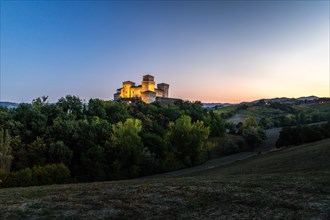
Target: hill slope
292,183
307,158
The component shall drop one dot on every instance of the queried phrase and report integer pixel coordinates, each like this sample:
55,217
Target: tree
188,138
5,151
37,152
96,107
216,124
71,105
253,134
127,146
33,122
40,101
94,162
58,152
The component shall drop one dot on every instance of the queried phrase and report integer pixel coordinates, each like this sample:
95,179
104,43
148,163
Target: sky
210,51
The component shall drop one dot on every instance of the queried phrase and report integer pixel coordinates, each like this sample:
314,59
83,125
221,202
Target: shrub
230,147
38,175
50,174
303,134
20,178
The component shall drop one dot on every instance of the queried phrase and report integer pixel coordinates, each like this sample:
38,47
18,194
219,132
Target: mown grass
288,184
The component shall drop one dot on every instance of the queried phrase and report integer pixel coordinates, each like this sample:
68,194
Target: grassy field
292,183
226,109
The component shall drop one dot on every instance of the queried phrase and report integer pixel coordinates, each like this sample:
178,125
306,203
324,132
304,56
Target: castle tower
148,83
164,88
126,91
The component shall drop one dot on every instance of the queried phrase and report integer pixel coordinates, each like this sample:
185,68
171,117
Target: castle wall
148,97
116,96
159,93
135,92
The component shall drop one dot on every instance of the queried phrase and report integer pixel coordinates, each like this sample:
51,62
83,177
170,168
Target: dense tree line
303,134
44,143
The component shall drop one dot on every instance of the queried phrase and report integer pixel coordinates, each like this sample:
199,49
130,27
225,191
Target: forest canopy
100,140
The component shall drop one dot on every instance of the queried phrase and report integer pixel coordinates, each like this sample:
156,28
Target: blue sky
209,51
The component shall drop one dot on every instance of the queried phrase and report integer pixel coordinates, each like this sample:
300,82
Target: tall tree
127,146
188,138
5,151
71,105
253,134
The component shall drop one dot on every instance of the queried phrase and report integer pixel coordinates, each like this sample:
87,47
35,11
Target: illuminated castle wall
145,92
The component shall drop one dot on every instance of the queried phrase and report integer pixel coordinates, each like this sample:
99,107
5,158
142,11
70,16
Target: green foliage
58,152
94,162
5,151
253,134
187,138
126,134
216,124
18,179
37,152
96,107
72,106
303,134
230,147
38,175
127,145
100,140
208,146
155,143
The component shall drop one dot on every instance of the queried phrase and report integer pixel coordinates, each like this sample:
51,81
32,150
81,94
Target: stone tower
148,83
126,91
164,88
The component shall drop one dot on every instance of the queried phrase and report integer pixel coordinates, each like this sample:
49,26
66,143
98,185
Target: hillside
288,184
278,114
303,159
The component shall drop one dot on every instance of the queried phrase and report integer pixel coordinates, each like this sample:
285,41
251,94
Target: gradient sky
208,51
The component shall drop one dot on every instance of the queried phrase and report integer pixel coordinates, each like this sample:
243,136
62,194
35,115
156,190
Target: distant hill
309,98
289,100
219,105
8,104
277,99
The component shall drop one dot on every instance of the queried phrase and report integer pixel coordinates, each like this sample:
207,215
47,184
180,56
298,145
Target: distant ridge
308,98
220,105
277,99
8,104
285,99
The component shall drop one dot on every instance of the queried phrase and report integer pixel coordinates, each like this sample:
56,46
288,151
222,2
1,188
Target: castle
145,92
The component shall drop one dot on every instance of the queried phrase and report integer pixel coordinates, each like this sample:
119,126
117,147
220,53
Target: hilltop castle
145,92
